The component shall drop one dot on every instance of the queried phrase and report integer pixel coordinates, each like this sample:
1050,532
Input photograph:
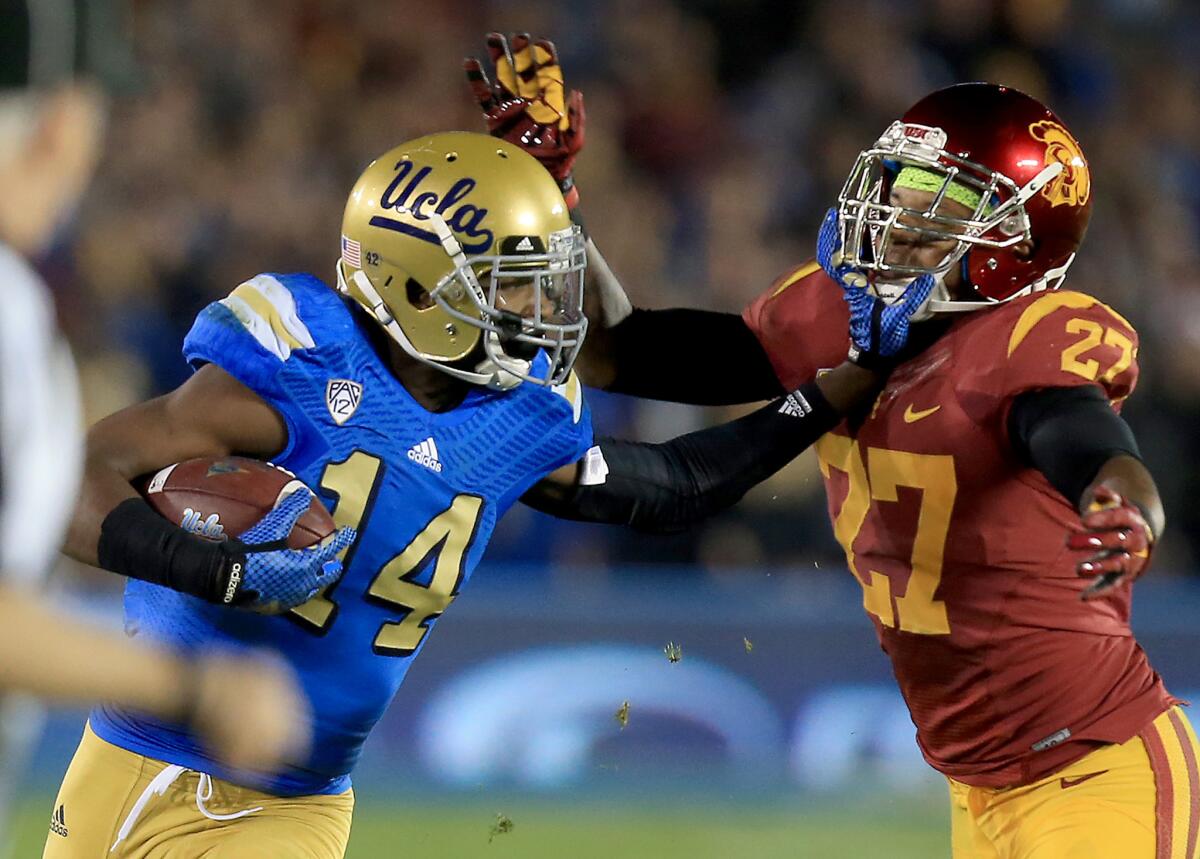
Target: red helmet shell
1015,135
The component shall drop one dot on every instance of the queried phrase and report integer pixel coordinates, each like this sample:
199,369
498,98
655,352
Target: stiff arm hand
527,104
878,331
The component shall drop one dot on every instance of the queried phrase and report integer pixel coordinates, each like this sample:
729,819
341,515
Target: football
216,497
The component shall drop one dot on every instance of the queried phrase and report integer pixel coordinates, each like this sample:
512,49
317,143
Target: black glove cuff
868,360
137,542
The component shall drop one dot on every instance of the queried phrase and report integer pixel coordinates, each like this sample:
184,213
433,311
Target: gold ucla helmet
460,246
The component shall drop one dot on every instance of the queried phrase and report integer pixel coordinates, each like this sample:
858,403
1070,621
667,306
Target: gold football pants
117,804
1136,800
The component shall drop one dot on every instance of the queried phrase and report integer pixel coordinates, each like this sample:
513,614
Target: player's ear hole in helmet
461,247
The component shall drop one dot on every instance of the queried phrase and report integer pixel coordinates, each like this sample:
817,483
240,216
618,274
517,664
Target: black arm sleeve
137,542
691,356
1068,434
663,488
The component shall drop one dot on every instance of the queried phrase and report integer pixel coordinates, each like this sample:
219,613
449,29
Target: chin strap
505,371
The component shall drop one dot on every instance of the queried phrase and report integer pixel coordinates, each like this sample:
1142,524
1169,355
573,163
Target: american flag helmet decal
352,252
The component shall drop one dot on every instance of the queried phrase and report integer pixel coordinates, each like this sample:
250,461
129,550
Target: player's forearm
663,488
120,448
1128,477
212,414
61,659
683,355
680,355
102,490
607,306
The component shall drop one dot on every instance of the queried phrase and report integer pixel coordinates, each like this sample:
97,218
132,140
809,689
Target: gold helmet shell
437,229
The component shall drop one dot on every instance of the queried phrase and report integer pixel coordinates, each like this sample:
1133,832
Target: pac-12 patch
342,397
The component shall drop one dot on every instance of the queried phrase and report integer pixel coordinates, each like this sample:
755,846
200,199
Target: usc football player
992,503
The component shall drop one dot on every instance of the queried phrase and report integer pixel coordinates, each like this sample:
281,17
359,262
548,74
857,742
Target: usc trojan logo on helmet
1073,185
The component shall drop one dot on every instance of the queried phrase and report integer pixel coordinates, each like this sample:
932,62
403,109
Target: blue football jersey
424,490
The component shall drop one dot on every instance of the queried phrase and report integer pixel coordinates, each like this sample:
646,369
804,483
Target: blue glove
264,575
878,331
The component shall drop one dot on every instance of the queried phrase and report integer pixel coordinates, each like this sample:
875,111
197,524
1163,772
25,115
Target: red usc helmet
981,141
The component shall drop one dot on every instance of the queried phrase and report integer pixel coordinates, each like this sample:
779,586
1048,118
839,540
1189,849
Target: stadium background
718,133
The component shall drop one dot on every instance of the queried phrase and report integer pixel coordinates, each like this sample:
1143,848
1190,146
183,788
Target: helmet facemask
523,302
868,219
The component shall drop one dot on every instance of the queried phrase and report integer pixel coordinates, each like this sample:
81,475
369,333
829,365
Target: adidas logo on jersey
426,454
794,405
58,822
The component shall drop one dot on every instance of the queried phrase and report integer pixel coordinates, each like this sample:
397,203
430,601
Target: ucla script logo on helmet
463,218
1073,185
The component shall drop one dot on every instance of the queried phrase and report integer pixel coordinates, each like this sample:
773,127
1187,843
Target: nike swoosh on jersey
1065,783
911,417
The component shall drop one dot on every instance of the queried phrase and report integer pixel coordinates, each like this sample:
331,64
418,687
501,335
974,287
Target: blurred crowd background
718,133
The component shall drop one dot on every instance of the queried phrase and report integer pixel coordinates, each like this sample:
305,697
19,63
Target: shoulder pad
1049,340
267,309
791,278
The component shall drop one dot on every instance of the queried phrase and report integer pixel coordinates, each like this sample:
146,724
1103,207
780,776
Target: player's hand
248,709
528,106
1118,540
878,331
264,575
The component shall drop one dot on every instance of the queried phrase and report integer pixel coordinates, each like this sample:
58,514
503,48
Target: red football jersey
961,548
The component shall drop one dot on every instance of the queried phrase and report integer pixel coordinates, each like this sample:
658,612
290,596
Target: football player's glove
1119,539
528,106
264,575
878,331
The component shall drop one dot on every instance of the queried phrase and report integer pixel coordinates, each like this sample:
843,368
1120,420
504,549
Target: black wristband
137,542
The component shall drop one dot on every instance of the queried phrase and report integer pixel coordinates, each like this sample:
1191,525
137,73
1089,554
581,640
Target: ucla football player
422,396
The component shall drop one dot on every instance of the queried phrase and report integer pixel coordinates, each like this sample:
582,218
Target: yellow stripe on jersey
572,392
798,275
268,310
1047,304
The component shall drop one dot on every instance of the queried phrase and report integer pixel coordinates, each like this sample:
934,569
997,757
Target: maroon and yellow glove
1119,539
528,106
